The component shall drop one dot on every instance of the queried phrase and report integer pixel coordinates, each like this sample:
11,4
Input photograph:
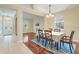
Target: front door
7,25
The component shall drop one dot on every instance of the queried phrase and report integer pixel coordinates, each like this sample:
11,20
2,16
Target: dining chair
48,37
68,40
50,29
39,35
56,30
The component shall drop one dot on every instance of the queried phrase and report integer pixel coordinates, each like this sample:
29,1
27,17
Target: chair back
56,30
40,33
48,34
50,29
71,35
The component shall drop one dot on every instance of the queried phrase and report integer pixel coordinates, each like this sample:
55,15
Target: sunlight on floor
10,44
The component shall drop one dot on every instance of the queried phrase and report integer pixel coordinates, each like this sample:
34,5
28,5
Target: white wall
39,20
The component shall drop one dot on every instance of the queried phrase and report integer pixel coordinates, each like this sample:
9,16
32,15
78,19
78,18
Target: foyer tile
10,45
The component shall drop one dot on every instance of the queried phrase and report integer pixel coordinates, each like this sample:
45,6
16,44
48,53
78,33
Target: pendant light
50,13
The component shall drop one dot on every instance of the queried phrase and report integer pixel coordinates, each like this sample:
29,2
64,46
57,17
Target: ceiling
44,8
54,8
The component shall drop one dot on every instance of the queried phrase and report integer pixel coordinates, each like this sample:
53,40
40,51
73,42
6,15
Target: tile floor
10,45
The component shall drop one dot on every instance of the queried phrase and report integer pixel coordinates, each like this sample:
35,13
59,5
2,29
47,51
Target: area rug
64,49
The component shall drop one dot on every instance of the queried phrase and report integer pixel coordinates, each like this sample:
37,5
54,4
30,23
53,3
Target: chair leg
63,43
51,44
45,42
37,38
42,41
70,48
57,45
60,44
48,43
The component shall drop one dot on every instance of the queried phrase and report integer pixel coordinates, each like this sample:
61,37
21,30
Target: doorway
6,25
7,21
7,29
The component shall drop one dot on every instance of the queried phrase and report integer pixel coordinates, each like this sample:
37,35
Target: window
59,22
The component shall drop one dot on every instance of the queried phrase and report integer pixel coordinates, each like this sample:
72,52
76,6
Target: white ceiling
44,8
54,7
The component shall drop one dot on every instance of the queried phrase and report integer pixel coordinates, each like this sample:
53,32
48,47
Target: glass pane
7,25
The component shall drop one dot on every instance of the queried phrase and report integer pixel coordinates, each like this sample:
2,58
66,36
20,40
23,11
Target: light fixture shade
50,14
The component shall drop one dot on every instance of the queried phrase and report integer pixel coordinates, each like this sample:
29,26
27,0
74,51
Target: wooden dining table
57,35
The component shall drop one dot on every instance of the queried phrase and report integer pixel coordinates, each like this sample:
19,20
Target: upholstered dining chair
68,40
39,35
56,30
50,29
48,37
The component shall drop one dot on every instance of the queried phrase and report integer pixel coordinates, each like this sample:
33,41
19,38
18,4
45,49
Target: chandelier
50,13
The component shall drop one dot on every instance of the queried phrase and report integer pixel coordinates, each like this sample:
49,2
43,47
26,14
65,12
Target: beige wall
48,22
30,25
40,20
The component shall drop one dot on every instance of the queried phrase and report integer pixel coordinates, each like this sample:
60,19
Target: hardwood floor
77,48
39,50
36,49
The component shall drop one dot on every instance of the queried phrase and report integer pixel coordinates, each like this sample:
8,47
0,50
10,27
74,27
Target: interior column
20,25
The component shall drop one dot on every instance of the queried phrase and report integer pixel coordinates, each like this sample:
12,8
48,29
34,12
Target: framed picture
37,24
59,22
